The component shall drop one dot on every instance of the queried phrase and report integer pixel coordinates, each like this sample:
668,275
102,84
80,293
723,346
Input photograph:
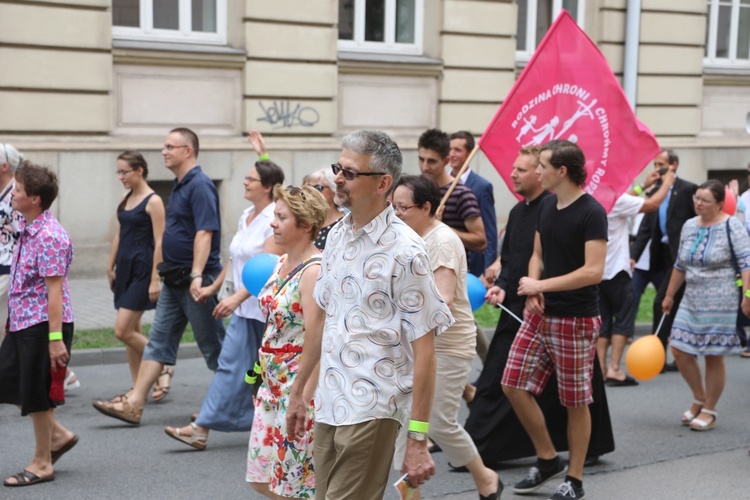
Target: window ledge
177,54
726,71
389,64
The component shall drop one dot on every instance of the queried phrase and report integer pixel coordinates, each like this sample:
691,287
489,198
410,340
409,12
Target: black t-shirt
564,234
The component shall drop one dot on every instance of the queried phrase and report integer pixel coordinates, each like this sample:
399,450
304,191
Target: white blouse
247,243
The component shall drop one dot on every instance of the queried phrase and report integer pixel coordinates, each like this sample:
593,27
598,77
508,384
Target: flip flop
627,382
56,455
27,478
745,354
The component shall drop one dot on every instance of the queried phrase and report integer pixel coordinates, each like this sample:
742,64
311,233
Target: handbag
174,275
742,320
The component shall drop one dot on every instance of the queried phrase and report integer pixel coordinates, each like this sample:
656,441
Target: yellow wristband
638,190
739,282
747,293
55,336
264,157
418,426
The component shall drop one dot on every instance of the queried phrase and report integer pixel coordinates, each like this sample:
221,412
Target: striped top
461,205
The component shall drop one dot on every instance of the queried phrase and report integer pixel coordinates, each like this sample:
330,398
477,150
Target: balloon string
509,312
661,321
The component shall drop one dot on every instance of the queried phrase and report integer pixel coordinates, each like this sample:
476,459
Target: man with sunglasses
373,336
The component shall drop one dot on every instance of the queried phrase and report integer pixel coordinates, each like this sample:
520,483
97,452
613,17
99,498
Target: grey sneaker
566,491
537,478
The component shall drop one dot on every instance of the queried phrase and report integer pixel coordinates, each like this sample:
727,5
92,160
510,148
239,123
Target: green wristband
264,157
638,190
739,283
419,426
747,293
55,336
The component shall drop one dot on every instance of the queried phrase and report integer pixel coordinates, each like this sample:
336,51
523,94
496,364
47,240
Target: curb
115,355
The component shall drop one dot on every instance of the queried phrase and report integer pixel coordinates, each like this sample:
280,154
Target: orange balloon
730,202
645,357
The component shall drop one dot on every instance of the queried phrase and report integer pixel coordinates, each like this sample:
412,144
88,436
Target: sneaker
537,478
567,491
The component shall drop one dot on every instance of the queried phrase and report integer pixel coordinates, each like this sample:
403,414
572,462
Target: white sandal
688,416
701,425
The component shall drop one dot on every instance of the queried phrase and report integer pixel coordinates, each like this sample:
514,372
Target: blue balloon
476,291
257,270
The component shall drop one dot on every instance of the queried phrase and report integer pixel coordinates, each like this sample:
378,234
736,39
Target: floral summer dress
285,465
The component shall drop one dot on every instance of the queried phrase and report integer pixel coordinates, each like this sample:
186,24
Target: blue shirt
193,206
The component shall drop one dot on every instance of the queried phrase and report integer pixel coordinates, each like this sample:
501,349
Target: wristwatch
193,276
416,436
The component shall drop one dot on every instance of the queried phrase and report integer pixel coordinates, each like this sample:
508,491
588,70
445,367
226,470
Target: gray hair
327,175
11,156
385,156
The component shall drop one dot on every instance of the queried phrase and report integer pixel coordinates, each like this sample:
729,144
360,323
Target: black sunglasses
319,187
350,175
295,191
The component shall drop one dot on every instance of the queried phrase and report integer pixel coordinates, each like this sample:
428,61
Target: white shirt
618,241
379,296
8,226
644,261
247,243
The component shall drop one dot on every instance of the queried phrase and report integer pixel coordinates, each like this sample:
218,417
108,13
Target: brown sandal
162,388
196,439
126,414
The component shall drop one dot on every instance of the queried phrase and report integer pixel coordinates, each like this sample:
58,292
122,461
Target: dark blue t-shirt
193,206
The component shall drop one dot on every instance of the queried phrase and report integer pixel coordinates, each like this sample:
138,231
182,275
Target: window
385,26
728,34
535,18
189,21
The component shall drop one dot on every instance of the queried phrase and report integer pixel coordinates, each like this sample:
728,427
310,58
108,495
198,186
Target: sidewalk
93,304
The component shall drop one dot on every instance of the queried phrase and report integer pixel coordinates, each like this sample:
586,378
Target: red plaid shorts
545,344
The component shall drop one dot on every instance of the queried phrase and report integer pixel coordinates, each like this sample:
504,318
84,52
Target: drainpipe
632,41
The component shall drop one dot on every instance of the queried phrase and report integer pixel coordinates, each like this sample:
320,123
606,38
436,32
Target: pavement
655,457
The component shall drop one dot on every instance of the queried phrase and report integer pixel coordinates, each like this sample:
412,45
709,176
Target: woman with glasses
276,466
713,248
323,181
415,201
228,405
135,253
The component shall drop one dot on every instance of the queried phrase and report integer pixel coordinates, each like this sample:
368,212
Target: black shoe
537,478
496,495
566,491
670,367
591,460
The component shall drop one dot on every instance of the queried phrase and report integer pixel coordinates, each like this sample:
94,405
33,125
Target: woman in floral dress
276,465
713,247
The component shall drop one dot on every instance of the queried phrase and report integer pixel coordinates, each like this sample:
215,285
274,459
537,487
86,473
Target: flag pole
457,179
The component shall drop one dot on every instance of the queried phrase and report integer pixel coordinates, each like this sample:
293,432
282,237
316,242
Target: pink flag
568,91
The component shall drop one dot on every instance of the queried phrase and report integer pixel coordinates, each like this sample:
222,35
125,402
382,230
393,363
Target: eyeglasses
122,172
319,187
403,208
169,147
295,191
251,179
697,199
350,175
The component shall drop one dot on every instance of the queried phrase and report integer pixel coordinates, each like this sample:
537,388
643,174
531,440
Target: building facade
83,80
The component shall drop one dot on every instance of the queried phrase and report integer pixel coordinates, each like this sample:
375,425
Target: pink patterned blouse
44,250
